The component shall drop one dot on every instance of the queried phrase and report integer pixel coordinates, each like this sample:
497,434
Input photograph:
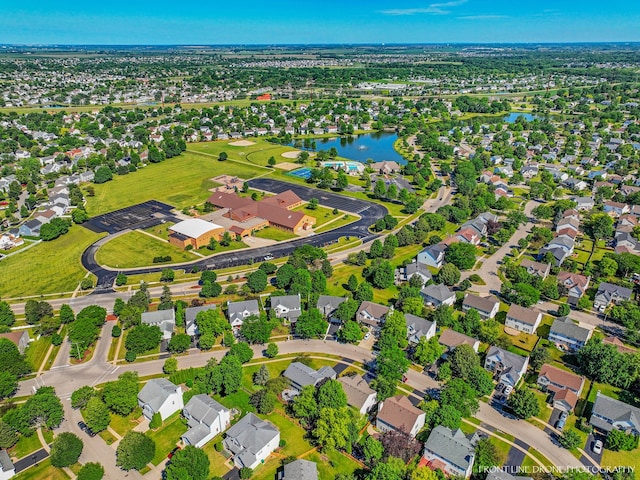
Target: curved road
369,212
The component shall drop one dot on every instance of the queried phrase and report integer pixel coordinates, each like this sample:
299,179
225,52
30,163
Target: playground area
229,183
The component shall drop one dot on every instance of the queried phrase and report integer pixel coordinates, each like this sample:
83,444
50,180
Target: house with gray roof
206,419
328,304
251,441
536,268
190,315
437,295
161,396
7,469
487,307
359,394
372,314
418,328
30,228
404,274
287,306
163,319
300,375
507,368
432,256
300,470
608,414
565,332
609,293
238,311
584,203
450,451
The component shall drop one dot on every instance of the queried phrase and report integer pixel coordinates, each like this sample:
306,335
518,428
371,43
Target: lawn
502,448
180,181
621,459
42,471
343,220
257,154
49,267
161,230
217,460
523,340
135,249
25,446
123,424
333,464
36,351
272,233
276,369
167,436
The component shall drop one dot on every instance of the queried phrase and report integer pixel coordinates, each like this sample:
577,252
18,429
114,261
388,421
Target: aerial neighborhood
380,264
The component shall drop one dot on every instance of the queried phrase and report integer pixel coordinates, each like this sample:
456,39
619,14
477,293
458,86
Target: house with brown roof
565,387
523,319
398,413
451,339
575,284
536,268
372,314
616,342
487,307
359,394
19,337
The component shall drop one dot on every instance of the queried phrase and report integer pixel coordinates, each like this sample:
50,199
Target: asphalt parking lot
143,215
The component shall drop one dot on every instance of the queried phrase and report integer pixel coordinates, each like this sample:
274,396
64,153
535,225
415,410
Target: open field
49,267
135,249
166,437
272,233
180,181
42,471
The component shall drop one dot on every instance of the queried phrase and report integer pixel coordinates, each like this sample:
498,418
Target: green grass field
25,446
180,181
135,249
166,437
49,267
36,351
272,233
42,471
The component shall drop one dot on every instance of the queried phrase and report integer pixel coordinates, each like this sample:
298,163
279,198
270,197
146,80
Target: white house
161,396
449,450
251,441
238,311
398,413
523,319
163,319
487,307
206,419
507,368
7,469
359,394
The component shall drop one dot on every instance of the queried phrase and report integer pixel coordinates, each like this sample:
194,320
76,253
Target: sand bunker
242,143
287,166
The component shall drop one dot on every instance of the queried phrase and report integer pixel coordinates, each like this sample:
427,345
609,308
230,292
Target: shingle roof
158,316
203,409
327,303
450,338
483,304
565,327
375,310
452,445
400,413
357,390
236,310
440,292
524,315
155,392
301,470
191,313
5,461
302,375
561,377
247,437
614,410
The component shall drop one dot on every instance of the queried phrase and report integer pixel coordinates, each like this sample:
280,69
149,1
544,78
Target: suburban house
437,295
19,337
568,334
161,396
206,419
507,368
523,319
609,293
300,470
404,274
190,315
251,441
584,203
432,256
621,347
536,268
487,307
287,306
194,232
164,319
7,469
359,394
30,228
238,311
609,413
451,339
575,284
398,413
300,376
565,387
418,328
372,314
328,304
450,451
615,208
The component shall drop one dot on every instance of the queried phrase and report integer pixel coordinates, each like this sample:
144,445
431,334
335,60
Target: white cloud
432,9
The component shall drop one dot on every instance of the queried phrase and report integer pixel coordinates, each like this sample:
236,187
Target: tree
223,156
313,204
284,275
156,421
448,274
143,338
399,444
245,472
447,416
364,292
179,343
372,450
271,351
264,401
463,361
230,370
427,351
570,439
256,329
564,310
262,376
539,357
332,428
607,267
91,471
487,456
189,463
96,414
242,351
212,322
462,255
481,381
379,190
66,314
524,403
79,215
304,405
8,436
44,409
352,283
382,275
34,311
257,281
83,332
311,324
11,360
7,317
391,469
424,474
170,365
121,396
8,384
134,451
167,275
65,450
599,226
342,181
331,395
81,396
350,332
620,440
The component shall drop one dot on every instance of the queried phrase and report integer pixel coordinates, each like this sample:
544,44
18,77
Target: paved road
369,212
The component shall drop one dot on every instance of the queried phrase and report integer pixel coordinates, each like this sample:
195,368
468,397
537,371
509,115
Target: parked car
172,452
597,447
268,257
367,335
561,421
85,428
508,389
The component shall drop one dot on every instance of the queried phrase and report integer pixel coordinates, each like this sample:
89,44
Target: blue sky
328,21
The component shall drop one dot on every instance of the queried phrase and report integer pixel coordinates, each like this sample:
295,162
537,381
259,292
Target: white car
268,257
367,335
508,389
597,447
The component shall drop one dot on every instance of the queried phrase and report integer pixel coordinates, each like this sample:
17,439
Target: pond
377,146
513,116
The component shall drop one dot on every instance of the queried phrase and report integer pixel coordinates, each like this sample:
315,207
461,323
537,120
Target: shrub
116,332
218,446
56,339
86,284
282,443
91,471
162,259
130,356
245,473
156,421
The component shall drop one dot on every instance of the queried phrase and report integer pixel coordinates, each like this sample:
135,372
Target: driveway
588,447
29,460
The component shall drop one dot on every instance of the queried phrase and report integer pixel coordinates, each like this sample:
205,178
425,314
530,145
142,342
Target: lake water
511,118
377,146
